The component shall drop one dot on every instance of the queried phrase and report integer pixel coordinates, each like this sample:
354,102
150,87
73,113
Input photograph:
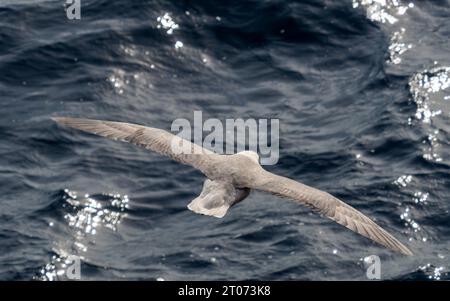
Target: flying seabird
231,177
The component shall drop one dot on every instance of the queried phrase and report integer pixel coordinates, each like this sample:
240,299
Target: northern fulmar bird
231,177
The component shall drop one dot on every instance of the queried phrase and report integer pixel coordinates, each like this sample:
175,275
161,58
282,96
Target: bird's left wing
154,139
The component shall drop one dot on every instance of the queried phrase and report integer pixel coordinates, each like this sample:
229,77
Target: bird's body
230,178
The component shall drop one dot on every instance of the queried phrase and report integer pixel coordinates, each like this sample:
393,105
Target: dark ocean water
361,89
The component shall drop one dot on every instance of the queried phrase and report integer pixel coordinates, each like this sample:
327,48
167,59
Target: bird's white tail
198,206
216,198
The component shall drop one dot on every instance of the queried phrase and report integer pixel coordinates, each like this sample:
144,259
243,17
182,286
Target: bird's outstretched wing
329,206
157,140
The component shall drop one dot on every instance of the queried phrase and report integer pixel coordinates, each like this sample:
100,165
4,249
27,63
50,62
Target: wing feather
153,139
329,206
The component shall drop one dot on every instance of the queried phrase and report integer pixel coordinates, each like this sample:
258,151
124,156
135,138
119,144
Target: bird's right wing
329,206
157,140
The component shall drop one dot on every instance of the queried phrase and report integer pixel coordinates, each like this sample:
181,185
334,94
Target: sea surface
361,89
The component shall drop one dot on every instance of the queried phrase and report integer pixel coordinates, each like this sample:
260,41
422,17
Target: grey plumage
231,177
217,197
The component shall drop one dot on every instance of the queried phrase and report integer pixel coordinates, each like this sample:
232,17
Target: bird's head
251,154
